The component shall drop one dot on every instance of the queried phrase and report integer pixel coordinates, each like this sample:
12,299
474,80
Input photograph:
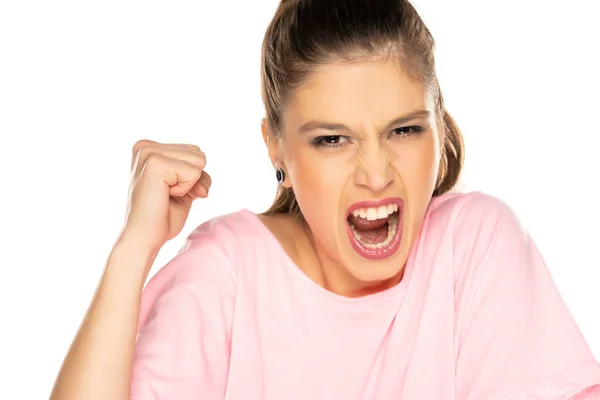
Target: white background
80,82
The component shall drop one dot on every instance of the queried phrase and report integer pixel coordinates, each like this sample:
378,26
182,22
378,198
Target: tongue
371,232
363,224
373,236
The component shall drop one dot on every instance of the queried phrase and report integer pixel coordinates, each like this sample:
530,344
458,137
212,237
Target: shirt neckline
394,294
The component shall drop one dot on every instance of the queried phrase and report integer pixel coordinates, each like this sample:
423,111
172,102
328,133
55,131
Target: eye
330,141
407,131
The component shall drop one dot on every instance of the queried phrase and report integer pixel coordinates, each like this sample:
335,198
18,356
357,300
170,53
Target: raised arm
166,178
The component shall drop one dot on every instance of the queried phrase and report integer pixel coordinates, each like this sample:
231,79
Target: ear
270,141
273,148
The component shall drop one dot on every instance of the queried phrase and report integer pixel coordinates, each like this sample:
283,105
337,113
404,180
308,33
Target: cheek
418,170
317,180
418,167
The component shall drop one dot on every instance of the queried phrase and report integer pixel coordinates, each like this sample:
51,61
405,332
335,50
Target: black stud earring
280,175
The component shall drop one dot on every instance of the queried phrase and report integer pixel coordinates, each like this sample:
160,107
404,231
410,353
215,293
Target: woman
366,279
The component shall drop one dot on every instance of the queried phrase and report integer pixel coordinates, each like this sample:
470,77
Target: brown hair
306,33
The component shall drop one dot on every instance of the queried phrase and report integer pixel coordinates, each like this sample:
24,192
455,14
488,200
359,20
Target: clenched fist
166,179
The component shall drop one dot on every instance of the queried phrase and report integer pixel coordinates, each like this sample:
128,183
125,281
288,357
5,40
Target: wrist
132,255
138,242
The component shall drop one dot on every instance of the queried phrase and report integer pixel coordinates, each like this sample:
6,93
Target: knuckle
145,152
140,144
150,150
153,161
201,163
190,174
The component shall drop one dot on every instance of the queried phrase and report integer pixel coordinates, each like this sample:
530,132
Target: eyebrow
328,126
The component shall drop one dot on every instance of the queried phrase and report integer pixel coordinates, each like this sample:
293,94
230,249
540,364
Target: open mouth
374,229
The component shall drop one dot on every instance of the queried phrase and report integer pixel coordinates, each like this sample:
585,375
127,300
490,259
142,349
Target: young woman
366,279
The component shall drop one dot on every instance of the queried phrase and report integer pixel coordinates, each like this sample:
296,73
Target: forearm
98,364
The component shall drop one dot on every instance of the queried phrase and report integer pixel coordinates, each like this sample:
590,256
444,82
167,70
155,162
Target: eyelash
321,140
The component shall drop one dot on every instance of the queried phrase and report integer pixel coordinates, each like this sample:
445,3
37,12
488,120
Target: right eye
329,141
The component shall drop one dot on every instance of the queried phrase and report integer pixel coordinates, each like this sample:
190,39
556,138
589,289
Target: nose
373,170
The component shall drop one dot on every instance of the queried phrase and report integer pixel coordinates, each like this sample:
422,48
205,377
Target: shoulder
475,232
186,315
507,308
224,228
473,215
209,256
224,233
469,205
220,241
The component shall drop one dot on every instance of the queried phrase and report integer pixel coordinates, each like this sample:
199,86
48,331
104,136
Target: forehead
358,93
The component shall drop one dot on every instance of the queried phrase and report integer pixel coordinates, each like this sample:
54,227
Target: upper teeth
373,213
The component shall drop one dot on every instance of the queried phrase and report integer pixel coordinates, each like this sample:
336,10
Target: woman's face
361,148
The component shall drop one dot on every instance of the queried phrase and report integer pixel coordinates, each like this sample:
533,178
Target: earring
280,175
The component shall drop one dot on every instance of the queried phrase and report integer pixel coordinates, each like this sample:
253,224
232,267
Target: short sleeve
515,338
182,348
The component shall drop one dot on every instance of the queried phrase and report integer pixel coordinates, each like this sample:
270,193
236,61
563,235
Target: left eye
407,131
331,139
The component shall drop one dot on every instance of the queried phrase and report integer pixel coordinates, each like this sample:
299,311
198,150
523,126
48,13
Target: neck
331,274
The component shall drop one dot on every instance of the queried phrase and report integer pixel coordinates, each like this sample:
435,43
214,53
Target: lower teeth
392,229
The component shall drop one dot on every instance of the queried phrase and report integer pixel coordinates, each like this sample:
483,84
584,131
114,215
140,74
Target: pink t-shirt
477,316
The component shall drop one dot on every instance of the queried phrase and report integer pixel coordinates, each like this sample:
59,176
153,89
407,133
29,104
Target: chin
378,271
